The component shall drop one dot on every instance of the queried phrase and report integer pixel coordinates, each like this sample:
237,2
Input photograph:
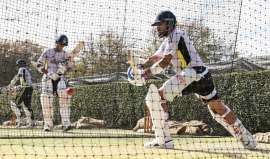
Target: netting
93,109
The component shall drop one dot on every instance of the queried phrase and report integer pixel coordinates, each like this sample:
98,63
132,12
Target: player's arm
166,51
162,58
18,77
66,65
154,65
42,63
159,66
70,65
14,80
73,54
150,61
156,57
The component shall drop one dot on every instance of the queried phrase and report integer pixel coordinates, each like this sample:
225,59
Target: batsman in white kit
192,76
23,94
54,63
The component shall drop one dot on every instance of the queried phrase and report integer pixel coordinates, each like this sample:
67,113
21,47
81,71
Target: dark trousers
25,97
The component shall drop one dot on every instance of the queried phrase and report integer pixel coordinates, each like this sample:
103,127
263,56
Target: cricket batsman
22,93
192,76
53,64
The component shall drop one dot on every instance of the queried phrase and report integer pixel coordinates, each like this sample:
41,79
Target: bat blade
77,49
75,52
138,79
131,62
73,62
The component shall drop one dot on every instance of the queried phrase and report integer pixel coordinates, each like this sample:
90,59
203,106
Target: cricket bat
131,62
75,52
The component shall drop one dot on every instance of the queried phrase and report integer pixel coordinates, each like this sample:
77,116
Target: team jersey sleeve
170,47
20,72
17,77
161,49
43,57
67,56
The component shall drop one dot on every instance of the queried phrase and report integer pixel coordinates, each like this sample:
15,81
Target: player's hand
9,86
43,70
154,58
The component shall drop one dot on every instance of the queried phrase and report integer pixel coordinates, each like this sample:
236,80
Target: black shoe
18,125
47,130
28,126
66,128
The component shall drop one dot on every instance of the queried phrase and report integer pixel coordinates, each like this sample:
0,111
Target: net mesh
99,114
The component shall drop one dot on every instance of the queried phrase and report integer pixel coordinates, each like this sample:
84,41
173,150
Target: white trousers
46,99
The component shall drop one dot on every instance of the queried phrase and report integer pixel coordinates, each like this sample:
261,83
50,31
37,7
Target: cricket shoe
47,128
244,136
247,140
154,144
66,128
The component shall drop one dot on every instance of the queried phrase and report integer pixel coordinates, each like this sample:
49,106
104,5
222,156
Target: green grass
96,144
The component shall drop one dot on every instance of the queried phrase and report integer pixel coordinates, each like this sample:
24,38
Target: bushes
121,104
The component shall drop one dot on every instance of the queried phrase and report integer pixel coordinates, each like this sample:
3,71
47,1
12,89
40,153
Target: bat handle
147,120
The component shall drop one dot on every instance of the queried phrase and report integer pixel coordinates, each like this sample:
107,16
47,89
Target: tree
208,44
107,54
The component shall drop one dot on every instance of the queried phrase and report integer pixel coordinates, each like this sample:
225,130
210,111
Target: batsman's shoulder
47,52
